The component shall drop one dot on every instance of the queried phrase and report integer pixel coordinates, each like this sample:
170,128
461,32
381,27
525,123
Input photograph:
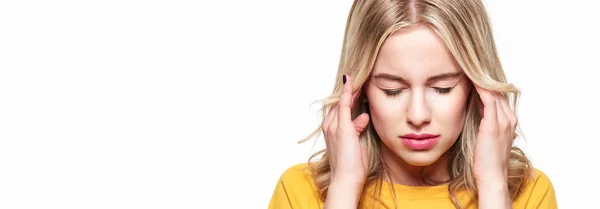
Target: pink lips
419,141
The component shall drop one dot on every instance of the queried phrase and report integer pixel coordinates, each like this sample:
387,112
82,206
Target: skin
417,87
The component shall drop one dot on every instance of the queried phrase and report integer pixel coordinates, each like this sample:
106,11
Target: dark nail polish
344,79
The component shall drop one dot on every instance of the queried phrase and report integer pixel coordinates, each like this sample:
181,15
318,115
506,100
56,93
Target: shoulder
538,192
299,169
298,174
540,178
295,189
539,183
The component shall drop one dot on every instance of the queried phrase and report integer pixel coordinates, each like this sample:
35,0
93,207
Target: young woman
422,117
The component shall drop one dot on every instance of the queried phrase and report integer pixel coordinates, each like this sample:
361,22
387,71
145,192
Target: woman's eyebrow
443,76
430,79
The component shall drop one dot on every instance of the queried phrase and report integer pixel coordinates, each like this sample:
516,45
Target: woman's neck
400,172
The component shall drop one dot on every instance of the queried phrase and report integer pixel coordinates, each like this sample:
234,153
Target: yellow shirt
296,190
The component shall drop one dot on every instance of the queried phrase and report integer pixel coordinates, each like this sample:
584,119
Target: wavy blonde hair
464,27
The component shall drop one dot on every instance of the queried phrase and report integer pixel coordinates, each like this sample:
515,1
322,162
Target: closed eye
392,92
395,92
443,90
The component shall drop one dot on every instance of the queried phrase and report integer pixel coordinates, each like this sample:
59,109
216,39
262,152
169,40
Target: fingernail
344,79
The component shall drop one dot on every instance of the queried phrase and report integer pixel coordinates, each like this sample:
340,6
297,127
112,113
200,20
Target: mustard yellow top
296,189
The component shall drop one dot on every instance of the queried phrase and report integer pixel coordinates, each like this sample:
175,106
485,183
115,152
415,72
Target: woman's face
417,95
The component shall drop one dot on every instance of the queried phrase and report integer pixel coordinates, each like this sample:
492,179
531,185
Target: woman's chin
420,158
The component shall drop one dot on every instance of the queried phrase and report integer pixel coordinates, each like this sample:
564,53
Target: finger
502,118
331,128
354,98
480,108
344,112
327,118
333,125
512,117
361,122
489,103
326,125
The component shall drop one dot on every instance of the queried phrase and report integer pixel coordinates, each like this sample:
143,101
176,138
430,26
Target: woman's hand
347,156
492,150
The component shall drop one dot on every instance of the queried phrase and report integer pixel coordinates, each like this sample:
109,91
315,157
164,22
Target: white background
182,104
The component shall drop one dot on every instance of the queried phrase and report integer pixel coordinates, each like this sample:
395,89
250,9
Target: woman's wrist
349,182
343,194
494,194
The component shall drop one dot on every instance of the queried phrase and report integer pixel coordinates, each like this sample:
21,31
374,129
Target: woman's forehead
415,52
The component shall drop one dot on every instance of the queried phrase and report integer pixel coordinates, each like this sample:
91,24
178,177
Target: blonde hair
464,27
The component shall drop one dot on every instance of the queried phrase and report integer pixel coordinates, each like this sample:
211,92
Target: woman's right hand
347,156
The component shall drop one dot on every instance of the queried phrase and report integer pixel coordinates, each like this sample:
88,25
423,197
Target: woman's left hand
495,138
492,150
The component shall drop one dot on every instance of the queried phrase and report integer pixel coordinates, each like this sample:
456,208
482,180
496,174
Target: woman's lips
420,142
